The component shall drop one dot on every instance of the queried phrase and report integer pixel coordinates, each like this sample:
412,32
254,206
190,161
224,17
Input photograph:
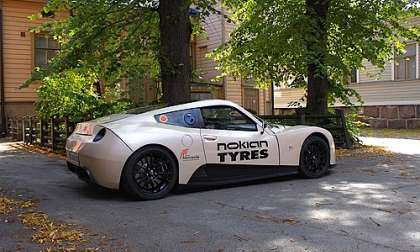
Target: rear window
184,118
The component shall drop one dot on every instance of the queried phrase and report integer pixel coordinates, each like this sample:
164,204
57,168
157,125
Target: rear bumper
83,174
100,162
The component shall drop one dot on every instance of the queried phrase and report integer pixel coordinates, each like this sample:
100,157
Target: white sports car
205,142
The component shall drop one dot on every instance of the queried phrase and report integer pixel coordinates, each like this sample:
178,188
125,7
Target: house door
251,100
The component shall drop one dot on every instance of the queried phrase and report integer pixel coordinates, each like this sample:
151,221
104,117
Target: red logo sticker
184,153
163,118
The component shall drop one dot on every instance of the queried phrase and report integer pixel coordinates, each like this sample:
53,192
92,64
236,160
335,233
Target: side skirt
219,174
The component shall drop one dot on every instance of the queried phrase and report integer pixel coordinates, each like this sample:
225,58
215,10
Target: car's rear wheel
314,157
151,173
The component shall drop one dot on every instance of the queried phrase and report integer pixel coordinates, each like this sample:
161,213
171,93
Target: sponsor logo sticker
185,156
163,118
242,150
189,119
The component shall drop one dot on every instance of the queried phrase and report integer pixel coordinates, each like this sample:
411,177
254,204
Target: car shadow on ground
186,189
97,192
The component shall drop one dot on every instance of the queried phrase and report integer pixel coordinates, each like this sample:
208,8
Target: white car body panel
192,147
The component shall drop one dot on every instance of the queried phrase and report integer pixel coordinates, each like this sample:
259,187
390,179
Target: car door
231,137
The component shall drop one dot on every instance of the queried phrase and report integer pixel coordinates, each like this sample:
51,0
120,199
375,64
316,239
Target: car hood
281,129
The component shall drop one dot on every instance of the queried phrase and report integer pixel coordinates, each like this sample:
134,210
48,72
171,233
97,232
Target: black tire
151,173
314,157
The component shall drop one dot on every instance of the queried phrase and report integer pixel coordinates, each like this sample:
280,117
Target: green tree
314,43
112,39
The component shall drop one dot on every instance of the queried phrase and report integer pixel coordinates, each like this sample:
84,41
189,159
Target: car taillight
100,135
84,128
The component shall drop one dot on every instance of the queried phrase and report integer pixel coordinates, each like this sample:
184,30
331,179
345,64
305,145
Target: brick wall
395,117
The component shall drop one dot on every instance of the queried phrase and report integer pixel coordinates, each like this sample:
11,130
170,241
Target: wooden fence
335,123
51,133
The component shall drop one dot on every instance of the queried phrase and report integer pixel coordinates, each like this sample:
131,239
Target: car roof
191,105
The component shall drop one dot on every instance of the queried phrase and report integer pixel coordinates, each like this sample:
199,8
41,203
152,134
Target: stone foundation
393,117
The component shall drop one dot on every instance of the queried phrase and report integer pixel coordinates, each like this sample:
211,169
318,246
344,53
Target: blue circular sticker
189,119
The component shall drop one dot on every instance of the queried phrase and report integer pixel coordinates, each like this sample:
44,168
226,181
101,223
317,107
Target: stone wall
394,117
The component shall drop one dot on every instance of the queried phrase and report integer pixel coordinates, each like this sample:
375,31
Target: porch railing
50,133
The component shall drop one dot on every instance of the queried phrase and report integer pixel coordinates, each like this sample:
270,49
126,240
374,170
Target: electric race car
203,143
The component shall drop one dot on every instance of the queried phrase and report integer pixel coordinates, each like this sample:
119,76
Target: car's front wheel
314,157
151,173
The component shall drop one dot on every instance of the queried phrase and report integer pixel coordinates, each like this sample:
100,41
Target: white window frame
417,73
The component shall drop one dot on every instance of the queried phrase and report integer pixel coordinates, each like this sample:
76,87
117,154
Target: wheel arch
319,134
330,144
148,146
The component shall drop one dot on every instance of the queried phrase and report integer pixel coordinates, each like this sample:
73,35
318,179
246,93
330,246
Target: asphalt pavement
364,204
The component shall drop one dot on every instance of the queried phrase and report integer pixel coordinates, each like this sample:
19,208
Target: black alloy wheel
314,157
151,173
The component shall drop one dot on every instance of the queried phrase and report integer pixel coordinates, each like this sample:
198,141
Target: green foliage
272,36
110,40
353,124
72,94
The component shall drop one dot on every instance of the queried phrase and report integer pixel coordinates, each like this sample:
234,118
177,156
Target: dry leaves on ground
364,151
48,231
9,205
60,237
290,221
38,149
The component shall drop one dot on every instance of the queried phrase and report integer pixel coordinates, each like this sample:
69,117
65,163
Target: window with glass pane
46,48
353,76
405,65
226,118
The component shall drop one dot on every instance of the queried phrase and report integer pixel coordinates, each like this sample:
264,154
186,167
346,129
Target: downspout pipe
3,129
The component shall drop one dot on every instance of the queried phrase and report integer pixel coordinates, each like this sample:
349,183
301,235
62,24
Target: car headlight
100,135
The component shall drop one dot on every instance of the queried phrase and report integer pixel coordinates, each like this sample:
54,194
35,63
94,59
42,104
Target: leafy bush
73,94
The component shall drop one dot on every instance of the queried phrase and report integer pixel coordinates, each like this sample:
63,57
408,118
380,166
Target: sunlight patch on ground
413,235
396,145
345,218
345,186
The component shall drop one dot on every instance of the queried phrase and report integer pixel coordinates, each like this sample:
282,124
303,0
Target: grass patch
391,133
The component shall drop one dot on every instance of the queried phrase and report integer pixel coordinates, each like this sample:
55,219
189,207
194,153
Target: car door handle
210,138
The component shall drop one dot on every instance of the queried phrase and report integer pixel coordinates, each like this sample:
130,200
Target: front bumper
100,162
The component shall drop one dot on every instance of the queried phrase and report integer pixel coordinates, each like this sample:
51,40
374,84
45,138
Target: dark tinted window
184,118
226,118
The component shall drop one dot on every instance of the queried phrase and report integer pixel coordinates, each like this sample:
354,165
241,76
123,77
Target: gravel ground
367,203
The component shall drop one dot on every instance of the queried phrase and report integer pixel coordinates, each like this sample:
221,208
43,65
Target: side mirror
264,125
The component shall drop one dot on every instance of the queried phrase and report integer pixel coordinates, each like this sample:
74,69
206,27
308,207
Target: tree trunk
175,61
317,97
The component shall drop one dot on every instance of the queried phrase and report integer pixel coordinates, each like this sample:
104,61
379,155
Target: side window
184,118
226,118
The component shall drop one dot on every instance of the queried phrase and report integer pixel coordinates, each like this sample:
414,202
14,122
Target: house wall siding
206,44
18,44
218,30
18,49
372,73
373,93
